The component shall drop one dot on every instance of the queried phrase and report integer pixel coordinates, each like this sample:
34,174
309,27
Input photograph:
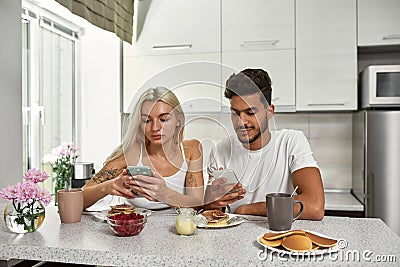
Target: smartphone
140,170
229,175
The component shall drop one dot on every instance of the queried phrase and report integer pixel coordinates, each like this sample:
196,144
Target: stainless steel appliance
380,86
83,172
376,152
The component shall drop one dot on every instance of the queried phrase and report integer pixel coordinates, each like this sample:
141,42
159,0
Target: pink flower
9,192
35,176
27,191
44,197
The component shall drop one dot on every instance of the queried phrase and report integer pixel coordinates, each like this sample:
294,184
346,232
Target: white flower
50,158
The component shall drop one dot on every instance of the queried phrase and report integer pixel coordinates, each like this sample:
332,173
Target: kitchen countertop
92,242
341,200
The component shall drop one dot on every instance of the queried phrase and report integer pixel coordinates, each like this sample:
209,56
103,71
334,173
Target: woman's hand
120,185
153,187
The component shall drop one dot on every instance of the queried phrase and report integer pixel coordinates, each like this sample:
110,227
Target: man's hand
259,208
219,194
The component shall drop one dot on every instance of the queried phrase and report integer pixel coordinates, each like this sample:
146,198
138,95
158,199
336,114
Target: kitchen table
92,242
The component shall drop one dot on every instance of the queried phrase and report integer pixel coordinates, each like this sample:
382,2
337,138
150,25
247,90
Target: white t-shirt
266,170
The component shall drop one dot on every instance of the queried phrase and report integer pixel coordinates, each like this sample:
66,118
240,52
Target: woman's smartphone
229,175
139,170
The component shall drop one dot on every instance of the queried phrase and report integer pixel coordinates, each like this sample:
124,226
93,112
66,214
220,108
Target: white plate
102,215
223,225
330,250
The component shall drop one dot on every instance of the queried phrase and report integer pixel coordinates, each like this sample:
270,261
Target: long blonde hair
131,125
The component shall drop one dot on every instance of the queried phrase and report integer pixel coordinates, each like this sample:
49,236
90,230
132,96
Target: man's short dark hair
248,82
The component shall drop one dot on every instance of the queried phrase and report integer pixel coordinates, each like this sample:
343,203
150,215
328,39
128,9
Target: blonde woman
153,137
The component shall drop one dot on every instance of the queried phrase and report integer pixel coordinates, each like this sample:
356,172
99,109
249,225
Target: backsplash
329,134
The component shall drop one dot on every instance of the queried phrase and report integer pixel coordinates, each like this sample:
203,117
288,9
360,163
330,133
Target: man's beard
263,128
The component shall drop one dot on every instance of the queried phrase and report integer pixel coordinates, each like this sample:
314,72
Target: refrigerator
376,164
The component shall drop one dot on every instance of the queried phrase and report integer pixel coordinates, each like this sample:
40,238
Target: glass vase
24,217
61,179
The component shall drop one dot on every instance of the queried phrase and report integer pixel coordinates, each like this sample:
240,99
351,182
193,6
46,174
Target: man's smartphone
139,170
229,175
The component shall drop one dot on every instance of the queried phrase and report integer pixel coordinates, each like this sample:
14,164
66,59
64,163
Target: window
50,48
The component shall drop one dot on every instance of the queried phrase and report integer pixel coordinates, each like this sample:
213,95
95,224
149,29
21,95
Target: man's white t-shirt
266,170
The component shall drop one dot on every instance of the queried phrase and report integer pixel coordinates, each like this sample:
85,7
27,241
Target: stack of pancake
121,208
215,217
297,241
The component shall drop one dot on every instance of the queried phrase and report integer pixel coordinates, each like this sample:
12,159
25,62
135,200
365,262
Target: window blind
111,15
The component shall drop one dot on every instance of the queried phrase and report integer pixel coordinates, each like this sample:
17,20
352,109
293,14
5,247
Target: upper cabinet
378,22
309,48
194,78
279,65
260,34
177,46
326,55
257,24
175,27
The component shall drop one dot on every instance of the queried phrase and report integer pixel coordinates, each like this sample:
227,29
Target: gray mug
280,211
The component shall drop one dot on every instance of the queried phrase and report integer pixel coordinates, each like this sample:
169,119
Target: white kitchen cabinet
280,66
257,24
194,78
326,55
378,22
260,34
176,27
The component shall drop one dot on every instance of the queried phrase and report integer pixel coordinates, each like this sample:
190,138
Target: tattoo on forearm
105,175
191,180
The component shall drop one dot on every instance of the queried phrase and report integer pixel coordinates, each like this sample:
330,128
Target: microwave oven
380,86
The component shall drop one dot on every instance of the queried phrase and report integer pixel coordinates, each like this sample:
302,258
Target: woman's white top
175,182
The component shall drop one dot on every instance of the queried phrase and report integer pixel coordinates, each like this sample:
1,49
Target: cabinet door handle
391,37
172,47
259,42
327,104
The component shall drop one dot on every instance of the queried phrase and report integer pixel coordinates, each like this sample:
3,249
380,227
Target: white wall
10,93
100,123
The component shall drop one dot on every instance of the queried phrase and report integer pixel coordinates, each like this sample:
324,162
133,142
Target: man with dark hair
264,161
250,81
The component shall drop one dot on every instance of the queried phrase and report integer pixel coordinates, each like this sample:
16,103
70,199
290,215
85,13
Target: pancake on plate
320,241
271,243
121,208
215,217
297,243
297,240
274,236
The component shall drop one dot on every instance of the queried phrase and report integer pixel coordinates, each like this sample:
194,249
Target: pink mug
70,205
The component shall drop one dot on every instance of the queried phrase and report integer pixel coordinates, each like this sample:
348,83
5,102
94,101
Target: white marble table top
92,242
